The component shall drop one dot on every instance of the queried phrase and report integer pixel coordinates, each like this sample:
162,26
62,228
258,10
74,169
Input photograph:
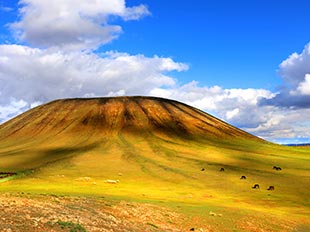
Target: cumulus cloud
237,106
284,124
303,87
295,67
295,71
242,108
43,75
72,24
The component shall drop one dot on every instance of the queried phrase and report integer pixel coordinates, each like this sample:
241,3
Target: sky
245,62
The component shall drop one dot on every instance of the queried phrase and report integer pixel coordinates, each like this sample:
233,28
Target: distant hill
298,145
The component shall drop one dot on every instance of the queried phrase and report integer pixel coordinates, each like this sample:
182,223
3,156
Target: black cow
256,186
243,177
277,168
222,170
270,187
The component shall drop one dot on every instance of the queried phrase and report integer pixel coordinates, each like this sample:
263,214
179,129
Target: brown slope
63,129
111,116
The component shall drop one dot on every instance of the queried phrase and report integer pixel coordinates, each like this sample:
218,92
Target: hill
64,128
119,114
154,150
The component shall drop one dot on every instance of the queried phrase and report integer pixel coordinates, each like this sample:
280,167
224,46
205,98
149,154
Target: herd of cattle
255,186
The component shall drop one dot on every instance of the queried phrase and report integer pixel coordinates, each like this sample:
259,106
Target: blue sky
232,59
236,44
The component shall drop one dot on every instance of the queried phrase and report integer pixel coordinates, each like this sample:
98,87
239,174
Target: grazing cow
277,168
256,186
243,177
192,229
202,169
271,187
222,170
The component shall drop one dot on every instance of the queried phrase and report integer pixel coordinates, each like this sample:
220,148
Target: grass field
159,153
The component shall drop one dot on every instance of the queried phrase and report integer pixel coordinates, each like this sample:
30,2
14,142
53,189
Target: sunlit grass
182,172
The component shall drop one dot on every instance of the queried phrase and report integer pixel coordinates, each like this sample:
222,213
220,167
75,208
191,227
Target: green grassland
161,152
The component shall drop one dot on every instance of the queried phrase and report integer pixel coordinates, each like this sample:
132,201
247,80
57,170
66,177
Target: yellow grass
156,149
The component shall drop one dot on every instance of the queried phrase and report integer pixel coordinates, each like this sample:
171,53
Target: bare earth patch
43,213
25,212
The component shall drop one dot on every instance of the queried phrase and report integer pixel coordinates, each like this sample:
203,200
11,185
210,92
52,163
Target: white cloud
223,103
284,124
232,113
210,98
295,67
42,75
12,109
304,87
295,71
72,24
241,107
134,13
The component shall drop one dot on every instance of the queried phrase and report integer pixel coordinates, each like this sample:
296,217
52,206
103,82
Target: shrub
74,227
